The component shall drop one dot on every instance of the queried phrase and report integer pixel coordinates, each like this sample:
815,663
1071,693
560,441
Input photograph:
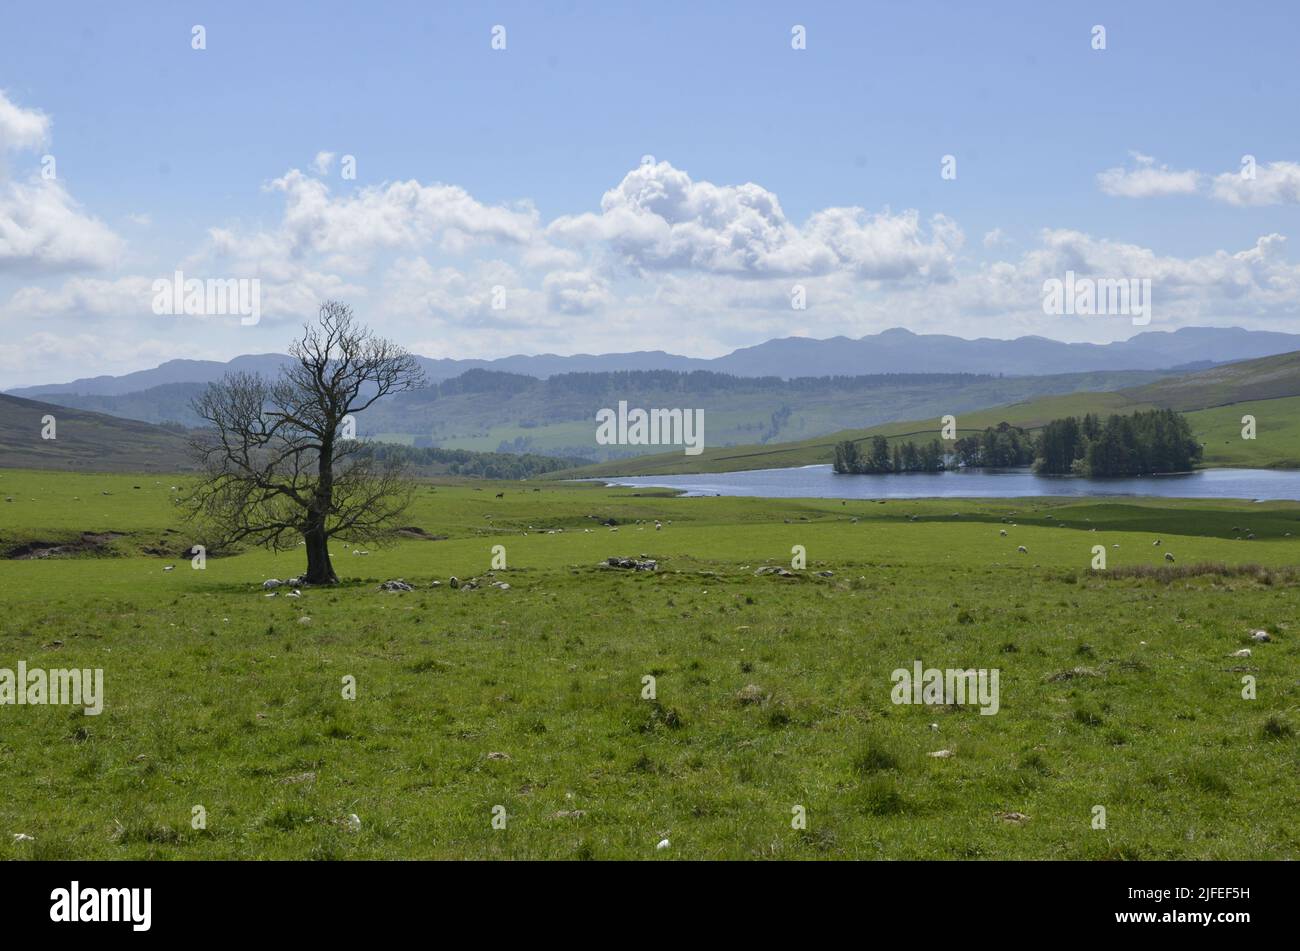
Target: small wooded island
1143,443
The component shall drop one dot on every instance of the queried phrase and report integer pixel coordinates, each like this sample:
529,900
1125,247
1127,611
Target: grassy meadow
1118,687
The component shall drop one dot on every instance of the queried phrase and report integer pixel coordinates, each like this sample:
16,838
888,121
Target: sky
485,179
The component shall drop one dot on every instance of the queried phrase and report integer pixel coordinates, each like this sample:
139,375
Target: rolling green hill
1214,400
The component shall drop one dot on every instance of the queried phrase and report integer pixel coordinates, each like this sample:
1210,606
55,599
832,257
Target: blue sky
480,169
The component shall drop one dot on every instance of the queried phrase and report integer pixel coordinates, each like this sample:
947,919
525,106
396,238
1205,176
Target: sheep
1003,532
1156,542
1169,556
1022,549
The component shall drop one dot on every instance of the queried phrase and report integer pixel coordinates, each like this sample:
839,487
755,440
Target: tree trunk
319,569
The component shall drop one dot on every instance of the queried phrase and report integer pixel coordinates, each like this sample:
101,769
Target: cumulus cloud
395,215
1275,183
1145,179
575,292
657,218
322,163
42,229
995,238
21,128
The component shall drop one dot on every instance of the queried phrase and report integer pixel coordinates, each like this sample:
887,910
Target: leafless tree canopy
276,468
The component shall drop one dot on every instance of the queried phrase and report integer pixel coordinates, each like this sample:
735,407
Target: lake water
821,482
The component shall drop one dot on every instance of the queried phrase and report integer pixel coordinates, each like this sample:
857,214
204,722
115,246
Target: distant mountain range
892,351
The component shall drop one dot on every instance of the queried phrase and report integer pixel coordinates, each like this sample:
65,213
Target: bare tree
277,464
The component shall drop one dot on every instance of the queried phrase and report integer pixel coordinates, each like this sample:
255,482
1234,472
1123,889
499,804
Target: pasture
1118,687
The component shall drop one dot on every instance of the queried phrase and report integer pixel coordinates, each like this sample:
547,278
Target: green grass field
1118,688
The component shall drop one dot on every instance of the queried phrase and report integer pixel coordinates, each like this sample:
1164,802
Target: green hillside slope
85,441
1214,399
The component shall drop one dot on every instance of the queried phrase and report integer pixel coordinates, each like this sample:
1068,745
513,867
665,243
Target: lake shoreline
820,481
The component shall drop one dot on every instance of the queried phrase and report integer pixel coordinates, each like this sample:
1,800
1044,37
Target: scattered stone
751,694
633,564
272,583
775,570
826,574
1260,637
663,844
1244,652
353,823
940,754
500,756
305,619
1016,818
570,814
396,584
22,836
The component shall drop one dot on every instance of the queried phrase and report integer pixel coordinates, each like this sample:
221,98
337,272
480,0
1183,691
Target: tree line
1142,443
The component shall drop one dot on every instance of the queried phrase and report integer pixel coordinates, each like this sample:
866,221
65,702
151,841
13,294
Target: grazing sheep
1003,532
1022,549
1169,556
1156,542
1260,637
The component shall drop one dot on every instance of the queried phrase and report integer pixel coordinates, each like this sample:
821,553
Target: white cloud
1145,179
42,229
322,163
658,219
395,215
117,353
84,297
575,292
1275,183
21,129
